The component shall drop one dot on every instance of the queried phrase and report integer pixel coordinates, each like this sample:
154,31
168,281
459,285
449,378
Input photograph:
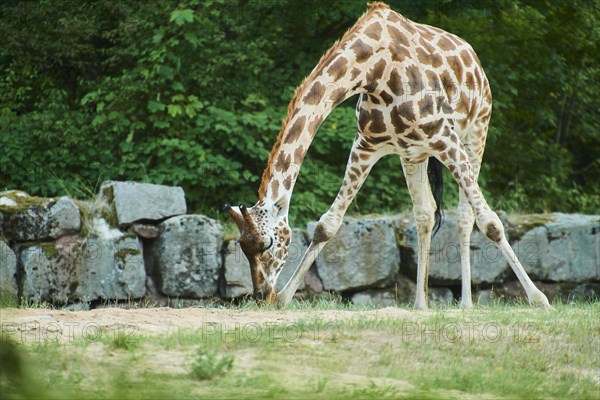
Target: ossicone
235,216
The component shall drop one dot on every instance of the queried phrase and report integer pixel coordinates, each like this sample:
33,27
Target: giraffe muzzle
265,295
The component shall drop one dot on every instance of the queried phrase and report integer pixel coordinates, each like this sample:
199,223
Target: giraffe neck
297,135
344,70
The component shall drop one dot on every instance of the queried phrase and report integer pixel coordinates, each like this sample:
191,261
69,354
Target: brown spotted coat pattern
423,93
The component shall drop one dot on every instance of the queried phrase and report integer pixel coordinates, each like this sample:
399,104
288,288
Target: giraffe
423,96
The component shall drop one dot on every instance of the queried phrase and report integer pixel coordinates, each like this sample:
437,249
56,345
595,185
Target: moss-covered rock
82,269
564,249
17,200
46,270
520,224
37,219
109,212
49,249
117,271
125,253
8,271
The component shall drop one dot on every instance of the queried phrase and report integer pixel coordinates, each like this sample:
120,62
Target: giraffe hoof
539,299
467,304
283,299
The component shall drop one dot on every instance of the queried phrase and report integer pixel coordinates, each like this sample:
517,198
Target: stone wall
135,241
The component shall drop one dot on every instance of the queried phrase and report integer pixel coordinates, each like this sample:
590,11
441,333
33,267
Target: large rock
362,254
24,218
487,262
116,269
402,292
8,271
143,201
564,291
376,298
586,292
45,272
73,268
238,281
440,296
313,286
563,248
187,256
64,218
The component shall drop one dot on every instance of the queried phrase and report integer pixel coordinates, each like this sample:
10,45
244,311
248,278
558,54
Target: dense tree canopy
192,93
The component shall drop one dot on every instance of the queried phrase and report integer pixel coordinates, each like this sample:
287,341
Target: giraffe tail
436,180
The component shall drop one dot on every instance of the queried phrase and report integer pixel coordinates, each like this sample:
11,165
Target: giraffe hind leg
465,222
455,158
424,207
473,145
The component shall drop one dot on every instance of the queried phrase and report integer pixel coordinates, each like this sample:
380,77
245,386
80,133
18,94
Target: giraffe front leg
359,165
284,297
423,209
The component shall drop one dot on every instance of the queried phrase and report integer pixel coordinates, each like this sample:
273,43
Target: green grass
489,352
8,300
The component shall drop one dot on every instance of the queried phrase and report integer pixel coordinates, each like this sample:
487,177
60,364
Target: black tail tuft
436,180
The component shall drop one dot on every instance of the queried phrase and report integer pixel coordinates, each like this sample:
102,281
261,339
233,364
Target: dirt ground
159,320
52,325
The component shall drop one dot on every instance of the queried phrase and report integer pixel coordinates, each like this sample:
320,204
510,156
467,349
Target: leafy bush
208,364
192,93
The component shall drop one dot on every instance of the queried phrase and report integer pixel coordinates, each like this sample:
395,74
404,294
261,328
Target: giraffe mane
304,85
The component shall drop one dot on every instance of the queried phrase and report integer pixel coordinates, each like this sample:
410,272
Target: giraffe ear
280,207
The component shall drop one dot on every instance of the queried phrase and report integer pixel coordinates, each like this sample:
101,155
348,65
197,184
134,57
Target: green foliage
208,364
192,93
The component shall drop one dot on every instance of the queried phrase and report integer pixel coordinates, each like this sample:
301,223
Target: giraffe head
264,238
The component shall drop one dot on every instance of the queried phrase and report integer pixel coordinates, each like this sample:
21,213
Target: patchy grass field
311,350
